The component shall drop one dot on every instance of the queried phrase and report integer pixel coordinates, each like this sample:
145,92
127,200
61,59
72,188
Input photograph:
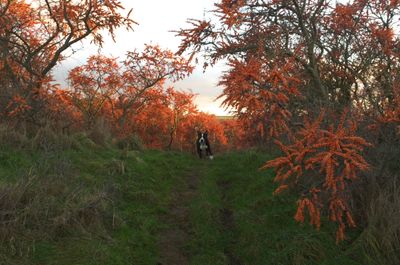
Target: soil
228,224
173,239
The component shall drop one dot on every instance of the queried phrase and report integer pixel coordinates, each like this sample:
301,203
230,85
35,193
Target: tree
333,158
292,60
93,85
335,49
143,71
152,122
34,37
201,121
182,106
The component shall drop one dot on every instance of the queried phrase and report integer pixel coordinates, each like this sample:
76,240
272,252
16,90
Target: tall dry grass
379,241
377,200
49,201
39,208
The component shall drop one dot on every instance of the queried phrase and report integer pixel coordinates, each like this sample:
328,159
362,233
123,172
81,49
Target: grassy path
235,220
227,220
102,206
173,238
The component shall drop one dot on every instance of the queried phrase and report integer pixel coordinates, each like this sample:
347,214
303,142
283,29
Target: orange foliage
93,85
333,157
130,96
62,110
144,71
286,61
291,60
260,96
17,106
234,133
34,35
170,120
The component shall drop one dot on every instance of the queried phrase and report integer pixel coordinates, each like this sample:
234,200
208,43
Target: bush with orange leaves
17,106
333,157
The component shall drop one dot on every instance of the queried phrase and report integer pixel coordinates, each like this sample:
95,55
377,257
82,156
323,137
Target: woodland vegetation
321,80
315,82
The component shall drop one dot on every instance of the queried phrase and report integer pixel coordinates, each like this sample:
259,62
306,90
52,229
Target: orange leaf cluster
229,11
260,97
313,205
17,106
332,156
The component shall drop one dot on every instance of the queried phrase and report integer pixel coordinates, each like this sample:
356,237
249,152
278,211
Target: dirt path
173,239
228,223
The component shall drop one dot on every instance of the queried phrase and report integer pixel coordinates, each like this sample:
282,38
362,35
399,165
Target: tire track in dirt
228,223
173,239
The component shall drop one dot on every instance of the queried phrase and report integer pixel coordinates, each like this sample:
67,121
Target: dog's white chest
203,146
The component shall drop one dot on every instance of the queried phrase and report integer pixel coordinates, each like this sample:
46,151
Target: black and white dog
203,144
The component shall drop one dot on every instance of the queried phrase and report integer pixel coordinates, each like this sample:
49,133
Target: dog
203,144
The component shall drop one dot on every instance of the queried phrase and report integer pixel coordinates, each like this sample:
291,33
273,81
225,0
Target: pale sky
156,19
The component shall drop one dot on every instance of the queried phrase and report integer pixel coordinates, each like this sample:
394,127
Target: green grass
14,163
144,192
207,244
129,233
264,230
139,188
